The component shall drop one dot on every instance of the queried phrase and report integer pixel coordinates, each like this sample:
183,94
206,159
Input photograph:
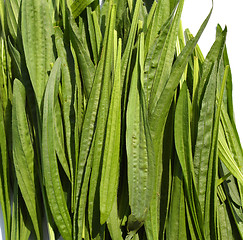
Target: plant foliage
113,125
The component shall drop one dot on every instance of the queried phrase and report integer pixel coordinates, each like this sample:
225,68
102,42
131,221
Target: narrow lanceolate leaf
2,16
59,140
210,226
176,224
23,155
184,151
52,180
21,222
110,165
204,138
37,33
162,13
165,61
153,58
158,118
126,57
3,76
205,157
92,34
4,178
226,230
86,65
227,158
140,155
83,166
78,6
101,126
15,225
69,78
113,223
233,142
12,12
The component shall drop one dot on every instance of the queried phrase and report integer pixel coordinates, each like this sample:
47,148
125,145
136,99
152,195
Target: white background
226,12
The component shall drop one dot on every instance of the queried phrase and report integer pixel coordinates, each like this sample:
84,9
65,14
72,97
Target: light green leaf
86,65
23,155
12,13
101,128
55,194
110,165
4,178
176,224
113,223
37,33
184,151
78,6
140,155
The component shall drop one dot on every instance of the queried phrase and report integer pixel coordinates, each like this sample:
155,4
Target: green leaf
227,158
94,34
101,128
127,54
51,174
84,164
12,13
210,197
176,224
86,65
224,222
204,137
59,140
21,225
4,178
140,155
79,5
23,156
87,135
37,34
157,118
165,61
153,60
113,223
184,151
70,87
160,17
110,165
232,151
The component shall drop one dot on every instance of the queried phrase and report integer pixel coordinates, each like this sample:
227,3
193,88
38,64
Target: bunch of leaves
113,125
